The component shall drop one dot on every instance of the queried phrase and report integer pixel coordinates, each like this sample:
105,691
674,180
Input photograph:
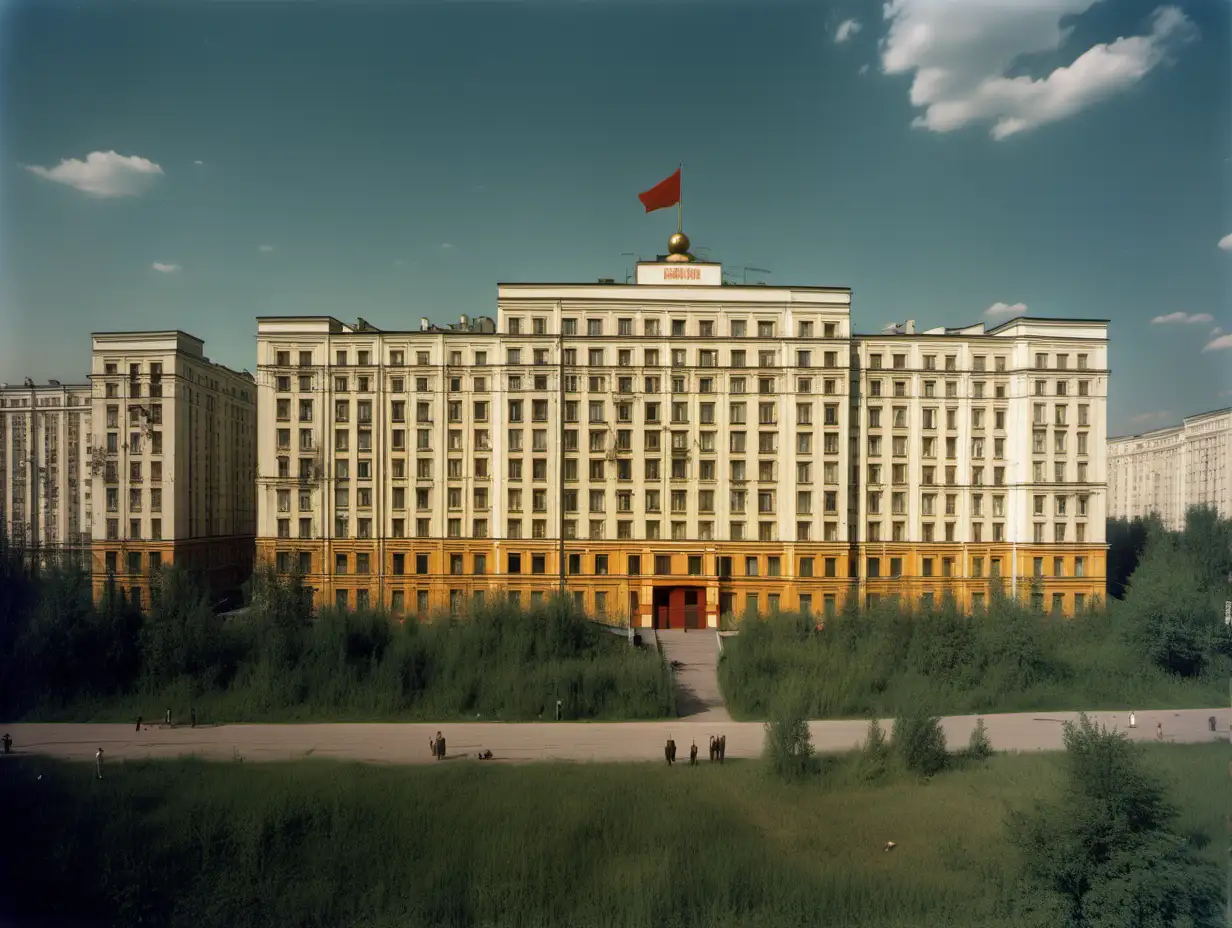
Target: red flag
663,194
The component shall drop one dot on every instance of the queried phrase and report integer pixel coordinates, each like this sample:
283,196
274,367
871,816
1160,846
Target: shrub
980,745
919,742
875,755
1104,856
789,743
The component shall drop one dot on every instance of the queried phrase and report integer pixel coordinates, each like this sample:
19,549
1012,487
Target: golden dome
678,244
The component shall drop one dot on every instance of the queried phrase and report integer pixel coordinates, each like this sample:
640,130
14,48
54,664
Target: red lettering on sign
682,273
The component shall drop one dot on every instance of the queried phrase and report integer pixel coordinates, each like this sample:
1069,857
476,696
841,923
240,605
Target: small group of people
437,745
718,750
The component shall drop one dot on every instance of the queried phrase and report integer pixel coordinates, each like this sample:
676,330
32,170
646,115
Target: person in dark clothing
7,741
722,747
712,749
192,718
693,755
440,746
669,749
138,723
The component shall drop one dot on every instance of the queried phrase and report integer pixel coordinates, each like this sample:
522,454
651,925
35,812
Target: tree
1102,855
1169,615
919,741
875,755
980,745
789,743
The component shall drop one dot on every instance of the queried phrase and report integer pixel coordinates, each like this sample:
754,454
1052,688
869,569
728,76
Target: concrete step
698,697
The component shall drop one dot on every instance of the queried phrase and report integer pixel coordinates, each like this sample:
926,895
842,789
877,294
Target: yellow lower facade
630,581
226,561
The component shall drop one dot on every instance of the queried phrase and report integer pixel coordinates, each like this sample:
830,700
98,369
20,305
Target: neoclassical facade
173,462
45,491
1165,471
676,448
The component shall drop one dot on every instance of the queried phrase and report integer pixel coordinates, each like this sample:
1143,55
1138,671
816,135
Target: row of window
679,328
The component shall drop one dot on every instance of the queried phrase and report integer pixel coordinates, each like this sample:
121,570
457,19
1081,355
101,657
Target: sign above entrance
680,274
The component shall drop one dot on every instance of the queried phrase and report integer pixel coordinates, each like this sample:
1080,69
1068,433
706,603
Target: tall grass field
315,843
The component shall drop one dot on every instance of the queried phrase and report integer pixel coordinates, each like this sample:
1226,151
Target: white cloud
846,29
198,163
1226,242
1183,318
265,249
863,69
445,246
103,174
165,268
1147,417
960,51
1218,343
1006,309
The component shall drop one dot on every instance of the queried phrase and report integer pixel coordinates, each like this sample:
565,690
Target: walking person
693,754
1133,720
138,723
167,720
722,747
98,763
669,750
712,749
7,741
1159,731
192,715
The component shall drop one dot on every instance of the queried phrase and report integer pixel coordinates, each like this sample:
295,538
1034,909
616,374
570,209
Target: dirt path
569,741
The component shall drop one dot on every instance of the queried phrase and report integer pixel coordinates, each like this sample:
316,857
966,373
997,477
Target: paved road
597,741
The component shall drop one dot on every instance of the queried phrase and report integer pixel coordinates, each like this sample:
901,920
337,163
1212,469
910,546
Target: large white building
45,493
677,448
1165,471
173,465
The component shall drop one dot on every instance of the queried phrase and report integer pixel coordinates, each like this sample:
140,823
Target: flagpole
680,202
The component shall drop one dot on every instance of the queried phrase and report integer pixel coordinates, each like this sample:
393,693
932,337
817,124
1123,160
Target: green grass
877,663
319,843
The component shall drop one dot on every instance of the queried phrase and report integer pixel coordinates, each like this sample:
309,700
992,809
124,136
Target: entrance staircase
695,656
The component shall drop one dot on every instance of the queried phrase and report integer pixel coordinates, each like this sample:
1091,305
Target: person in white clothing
98,763
1133,722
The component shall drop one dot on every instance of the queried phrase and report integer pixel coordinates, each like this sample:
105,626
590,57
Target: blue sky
196,163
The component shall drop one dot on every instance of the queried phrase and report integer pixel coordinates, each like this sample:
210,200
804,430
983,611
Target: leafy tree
1170,616
789,743
1103,856
919,741
181,636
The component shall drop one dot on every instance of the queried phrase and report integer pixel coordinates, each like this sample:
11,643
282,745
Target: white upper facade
678,408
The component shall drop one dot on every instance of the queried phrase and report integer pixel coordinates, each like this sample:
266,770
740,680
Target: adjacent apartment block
173,465
677,448
45,493
1167,470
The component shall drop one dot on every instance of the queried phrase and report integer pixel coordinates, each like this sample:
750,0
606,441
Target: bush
1104,856
875,755
62,656
980,745
919,742
1163,645
789,743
